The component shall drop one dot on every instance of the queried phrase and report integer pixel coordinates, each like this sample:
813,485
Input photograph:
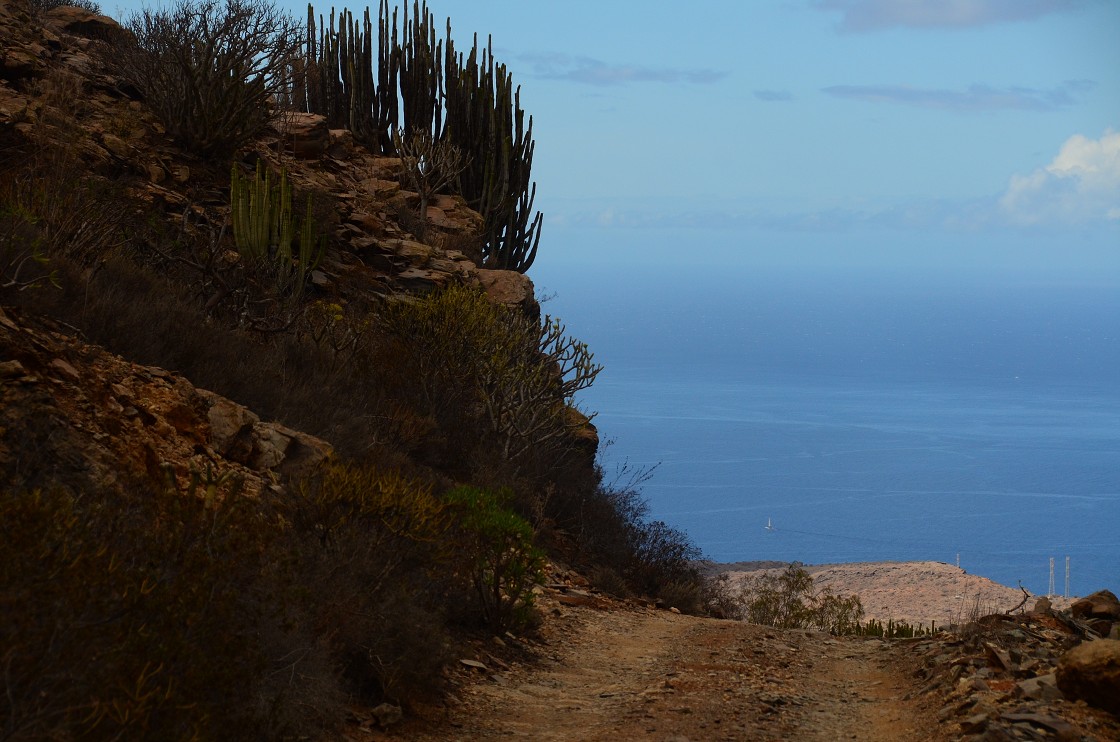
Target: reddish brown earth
618,671
601,669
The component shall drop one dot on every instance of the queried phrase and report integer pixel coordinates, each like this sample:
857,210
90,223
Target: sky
909,133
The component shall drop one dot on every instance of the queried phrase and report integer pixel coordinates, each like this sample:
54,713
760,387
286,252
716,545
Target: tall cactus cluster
467,100
341,80
264,230
484,118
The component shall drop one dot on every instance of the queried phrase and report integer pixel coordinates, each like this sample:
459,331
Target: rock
1042,688
1101,604
474,663
510,288
116,145
65,369
974,724
230,427
12,370
1062,728
341,144
307,134
387,714
1091,672
81,22
238,434
1042,607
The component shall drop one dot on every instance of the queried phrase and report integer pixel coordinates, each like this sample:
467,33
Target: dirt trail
653,675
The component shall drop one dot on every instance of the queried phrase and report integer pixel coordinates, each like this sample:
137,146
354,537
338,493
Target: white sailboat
769,525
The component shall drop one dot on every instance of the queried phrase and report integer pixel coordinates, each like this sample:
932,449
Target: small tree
430,165
209,69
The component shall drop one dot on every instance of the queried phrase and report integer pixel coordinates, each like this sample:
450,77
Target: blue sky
848,132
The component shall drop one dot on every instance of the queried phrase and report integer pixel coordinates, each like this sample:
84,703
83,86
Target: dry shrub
138,616
49,206
159,614
42,6
208,69
786,599
365,539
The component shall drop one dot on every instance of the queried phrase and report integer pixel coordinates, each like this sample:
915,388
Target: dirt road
641,674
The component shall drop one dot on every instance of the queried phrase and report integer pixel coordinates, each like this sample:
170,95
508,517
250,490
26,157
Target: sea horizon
915,419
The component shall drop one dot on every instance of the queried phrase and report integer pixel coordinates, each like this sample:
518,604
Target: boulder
307,134
510,288
1091,672
81,22
239,435
1101,604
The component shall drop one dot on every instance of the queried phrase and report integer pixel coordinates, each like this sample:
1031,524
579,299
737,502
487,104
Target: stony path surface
640,674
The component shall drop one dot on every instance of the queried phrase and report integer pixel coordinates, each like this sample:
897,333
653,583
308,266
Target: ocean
866,415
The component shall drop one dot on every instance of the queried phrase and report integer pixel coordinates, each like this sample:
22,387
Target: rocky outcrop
1101,611
1091,672
510,288
75,416
84,23
1020,677
238,434
51,73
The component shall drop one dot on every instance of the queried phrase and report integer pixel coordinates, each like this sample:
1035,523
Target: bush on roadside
500,560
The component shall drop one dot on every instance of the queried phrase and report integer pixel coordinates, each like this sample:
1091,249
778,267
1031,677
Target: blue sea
868,415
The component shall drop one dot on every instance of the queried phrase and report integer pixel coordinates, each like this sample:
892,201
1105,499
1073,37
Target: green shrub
208,69
787,600
502,381
501,561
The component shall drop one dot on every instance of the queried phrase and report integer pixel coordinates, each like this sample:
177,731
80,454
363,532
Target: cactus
485,119
421,74
340,75
469,102
263,227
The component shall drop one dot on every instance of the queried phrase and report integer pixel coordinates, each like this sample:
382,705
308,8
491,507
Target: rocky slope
100,420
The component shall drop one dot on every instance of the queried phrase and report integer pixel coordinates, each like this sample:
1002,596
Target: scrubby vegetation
136,609
788,600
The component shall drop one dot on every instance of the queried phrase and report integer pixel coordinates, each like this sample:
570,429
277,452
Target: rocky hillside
243,492
304,494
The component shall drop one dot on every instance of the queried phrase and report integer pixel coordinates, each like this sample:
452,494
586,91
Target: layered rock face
76,416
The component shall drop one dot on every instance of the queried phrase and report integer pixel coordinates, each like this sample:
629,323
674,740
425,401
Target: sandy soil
915,592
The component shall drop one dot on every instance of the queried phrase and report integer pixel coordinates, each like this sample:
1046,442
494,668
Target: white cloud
589,71
975,98
874,15
1080,185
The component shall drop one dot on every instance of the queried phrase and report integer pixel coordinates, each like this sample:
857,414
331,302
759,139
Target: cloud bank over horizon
862,16
975,98
589,71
